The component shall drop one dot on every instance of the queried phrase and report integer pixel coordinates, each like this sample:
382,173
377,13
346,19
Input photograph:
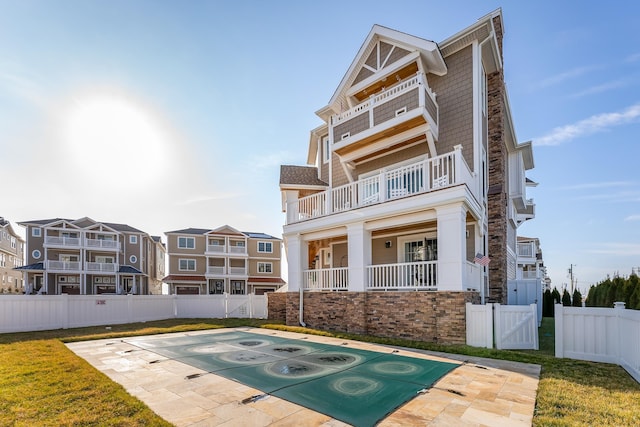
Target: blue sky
167,114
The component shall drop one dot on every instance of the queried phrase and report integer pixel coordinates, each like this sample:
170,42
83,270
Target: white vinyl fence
610,335
511,326
22,313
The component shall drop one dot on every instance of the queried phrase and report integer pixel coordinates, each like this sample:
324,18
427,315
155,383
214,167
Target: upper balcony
408,104
102,245
388,184
227,250
62,242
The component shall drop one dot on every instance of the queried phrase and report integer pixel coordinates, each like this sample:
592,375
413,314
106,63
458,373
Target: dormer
384,101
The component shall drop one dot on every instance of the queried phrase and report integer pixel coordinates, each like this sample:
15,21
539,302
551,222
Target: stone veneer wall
424,316
277,306
498,200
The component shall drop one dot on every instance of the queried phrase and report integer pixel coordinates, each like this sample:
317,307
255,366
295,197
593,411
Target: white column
359,251
297,260
451,247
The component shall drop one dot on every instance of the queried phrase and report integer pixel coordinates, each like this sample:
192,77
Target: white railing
237,271
220,249
389,184
232,271
62,265
21,313
427,100
609,335
326,279
105,267
102,244
62,241
402,276
215,270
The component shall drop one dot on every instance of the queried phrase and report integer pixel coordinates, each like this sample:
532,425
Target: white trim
36,232
186,239
326,149
133,239
33,254
265,264
265,245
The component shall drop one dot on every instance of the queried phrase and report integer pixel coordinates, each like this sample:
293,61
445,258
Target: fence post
174,298
130,308
559,329
497,326
535,325
65,311
618,308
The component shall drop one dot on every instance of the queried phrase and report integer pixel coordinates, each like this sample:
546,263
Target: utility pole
571,276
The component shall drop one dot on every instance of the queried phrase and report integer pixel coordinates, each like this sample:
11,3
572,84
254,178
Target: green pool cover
358,387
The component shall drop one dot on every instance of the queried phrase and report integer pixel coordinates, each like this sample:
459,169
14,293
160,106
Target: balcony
101,267
404,106
51,265
389,184
101,244
226,249
226,271
62,242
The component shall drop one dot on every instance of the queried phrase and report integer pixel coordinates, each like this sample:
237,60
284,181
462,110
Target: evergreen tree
566,298
591,297
547,304
576,298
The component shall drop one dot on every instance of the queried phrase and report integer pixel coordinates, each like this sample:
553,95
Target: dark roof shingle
300,175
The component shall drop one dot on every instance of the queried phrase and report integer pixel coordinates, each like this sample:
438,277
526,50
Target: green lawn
43,383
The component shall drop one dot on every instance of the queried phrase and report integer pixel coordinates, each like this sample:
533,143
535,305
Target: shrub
576,298
566,298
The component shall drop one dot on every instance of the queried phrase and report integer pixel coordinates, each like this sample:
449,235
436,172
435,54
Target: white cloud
559,78
632,218
617,248
596,185
591,125
601,88
633,57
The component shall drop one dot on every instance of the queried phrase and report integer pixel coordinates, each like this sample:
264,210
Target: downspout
304,325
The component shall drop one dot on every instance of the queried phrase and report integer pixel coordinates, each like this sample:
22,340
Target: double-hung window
265,267
265,247
187,264
186,242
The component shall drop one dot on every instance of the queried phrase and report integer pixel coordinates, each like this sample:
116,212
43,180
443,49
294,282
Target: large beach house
223,261
11,257
83,256
413,190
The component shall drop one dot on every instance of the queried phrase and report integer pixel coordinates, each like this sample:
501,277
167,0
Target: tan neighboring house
11,257
224,260
83,256
414,179
530,264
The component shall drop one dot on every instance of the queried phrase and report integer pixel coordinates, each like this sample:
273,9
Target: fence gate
512,326
516,326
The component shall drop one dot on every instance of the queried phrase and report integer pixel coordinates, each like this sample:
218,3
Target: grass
43,383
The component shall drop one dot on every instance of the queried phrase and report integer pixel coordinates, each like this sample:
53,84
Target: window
326,149
133,239
3,262
240,244
36,232
265,267
13,242
186,242
133,259
187,264
265,247
36,254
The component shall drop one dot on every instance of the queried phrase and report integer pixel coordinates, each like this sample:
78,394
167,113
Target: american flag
481,259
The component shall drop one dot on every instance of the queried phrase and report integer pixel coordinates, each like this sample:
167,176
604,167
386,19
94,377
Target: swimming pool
359,387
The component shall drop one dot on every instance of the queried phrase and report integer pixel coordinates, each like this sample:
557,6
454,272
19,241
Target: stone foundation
438,317
277,306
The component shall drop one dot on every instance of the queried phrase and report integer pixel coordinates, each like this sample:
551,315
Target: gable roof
427,53
300,176
226,229
198,231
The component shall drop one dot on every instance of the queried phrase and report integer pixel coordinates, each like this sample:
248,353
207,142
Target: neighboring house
224,260
529,261
11,256
84,256
414,177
